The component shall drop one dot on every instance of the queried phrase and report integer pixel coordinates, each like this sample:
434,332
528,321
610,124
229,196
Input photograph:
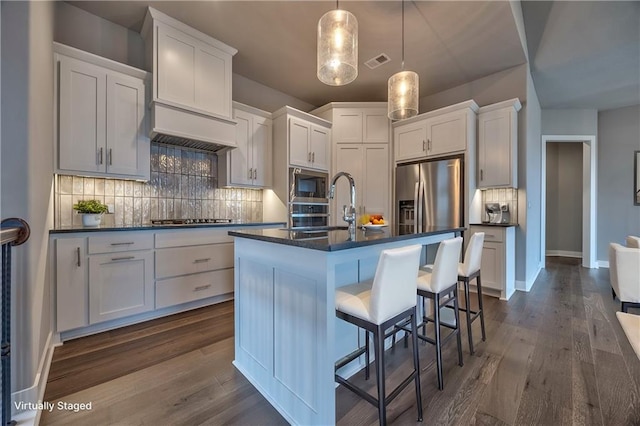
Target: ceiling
447,42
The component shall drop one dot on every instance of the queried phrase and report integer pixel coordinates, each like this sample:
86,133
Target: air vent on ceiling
378,60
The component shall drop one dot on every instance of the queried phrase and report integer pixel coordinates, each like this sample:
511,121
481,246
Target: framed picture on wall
636,175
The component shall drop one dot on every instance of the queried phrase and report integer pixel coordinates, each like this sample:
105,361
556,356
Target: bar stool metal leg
467,309
436,320
481,309
416,363
378,342
457,316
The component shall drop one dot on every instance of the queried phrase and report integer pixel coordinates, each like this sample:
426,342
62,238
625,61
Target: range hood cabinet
191,96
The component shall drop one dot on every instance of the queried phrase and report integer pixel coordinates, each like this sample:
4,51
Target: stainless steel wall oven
308,202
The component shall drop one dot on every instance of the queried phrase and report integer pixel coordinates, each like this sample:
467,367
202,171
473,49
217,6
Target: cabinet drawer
190,260
192,237
491,233
123,241
174,291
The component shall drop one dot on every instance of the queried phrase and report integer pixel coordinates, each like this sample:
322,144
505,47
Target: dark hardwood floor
556,355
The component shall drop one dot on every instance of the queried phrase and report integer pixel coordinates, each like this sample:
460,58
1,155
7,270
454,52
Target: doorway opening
588,199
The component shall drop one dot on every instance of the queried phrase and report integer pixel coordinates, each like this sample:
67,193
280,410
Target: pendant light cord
402,35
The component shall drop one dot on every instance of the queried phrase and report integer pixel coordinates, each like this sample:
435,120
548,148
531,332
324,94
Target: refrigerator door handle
416,211
420,218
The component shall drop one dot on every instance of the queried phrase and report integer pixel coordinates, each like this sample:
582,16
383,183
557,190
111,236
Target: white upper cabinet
192,73
250,163
410,141
309,144
101,116
498,145
437,133
360,125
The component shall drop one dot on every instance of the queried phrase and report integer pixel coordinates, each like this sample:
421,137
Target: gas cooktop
189,221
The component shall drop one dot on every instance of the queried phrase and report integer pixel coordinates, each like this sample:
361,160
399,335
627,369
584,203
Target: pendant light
402,100
337,47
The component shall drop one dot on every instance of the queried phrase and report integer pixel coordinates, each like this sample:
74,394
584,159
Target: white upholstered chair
468,271
440,284
376,305
633,242
624,274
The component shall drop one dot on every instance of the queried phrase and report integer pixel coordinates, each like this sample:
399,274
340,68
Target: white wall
569,122
27,176
528,234
564,198
619,137
503,85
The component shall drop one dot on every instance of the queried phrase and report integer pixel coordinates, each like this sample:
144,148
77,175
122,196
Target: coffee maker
497,213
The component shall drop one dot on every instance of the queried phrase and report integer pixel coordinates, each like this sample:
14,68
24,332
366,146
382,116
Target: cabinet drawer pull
424,145
490,236
78,253
481,174
128,243
202,260
250,173
255,173
313,157
110,156
309,157
100,156
114,259
202,287
428,144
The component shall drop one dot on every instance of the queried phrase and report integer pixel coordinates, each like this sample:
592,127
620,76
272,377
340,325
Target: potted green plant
92,211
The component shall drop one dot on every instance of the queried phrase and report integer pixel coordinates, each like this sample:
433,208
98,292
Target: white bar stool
436,283
376,305
467,271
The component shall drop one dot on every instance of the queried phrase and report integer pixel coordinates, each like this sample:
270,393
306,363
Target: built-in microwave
308,201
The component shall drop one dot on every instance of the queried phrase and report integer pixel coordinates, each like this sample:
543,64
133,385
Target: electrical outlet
111,208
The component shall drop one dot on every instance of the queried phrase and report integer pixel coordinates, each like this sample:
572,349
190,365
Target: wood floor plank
619,400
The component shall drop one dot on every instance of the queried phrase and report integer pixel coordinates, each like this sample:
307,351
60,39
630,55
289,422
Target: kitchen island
287,337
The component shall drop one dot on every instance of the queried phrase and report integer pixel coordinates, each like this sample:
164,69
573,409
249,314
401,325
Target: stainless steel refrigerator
429,194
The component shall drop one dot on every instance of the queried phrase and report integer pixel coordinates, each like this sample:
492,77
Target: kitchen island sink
287,335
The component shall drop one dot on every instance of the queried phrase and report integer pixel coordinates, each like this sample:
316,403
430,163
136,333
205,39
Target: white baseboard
603,263
35,393
564,253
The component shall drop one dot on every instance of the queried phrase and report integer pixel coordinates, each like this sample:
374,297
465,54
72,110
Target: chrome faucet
348,213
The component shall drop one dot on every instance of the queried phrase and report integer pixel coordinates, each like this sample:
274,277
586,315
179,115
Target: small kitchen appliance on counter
498,213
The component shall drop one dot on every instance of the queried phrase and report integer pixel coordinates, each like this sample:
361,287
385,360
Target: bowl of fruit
373,221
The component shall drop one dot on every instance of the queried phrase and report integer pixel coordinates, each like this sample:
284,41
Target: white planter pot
91,220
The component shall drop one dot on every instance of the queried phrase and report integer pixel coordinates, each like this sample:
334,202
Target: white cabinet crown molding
471,104
251,110
156,15
301,114
109,64
332,105
515,103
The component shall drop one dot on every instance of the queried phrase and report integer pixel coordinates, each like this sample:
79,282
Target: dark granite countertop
161,227
334,239
500,225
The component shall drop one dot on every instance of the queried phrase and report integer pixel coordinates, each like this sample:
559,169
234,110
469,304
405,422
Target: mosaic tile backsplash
503,196
183,184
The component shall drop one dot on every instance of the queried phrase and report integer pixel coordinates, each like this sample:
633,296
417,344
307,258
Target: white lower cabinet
109,279
498,260
189,269
71,283
120,285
